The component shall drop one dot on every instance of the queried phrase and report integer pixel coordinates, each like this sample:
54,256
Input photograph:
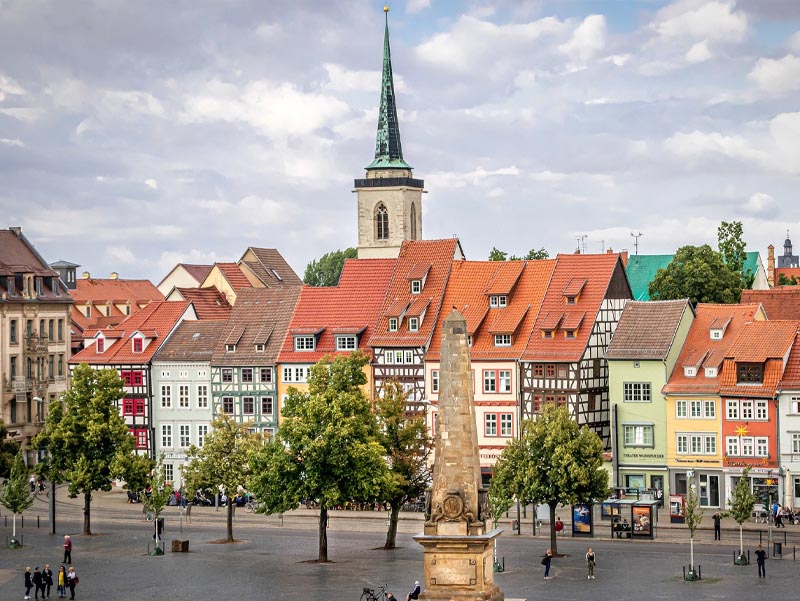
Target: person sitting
414,594
559,527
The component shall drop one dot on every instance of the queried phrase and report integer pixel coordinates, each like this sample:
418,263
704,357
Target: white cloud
699,53
701,20
125,103
698,144
9,87
586,41
12,142
794,42
151,183
777,76
761,204
476,177
168,259
415,6
342,79
785,133
120,254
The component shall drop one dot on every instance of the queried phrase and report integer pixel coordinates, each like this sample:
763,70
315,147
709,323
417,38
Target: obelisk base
459,568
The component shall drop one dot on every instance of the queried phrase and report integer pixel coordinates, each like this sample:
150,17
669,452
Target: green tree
532,255
742,504
137,470
700,274
732,248
497,255
8,451
223,461
407,445
693,515
784,281
327,448
553,462
16,495
326,270
85,437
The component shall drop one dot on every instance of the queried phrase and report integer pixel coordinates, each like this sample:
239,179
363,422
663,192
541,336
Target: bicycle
251,506
370,594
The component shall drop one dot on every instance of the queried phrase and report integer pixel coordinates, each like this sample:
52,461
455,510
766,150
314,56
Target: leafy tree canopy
784,281
532,255
327,448
700,274
732,248
326,270
8,451
16,495
554,462
85,437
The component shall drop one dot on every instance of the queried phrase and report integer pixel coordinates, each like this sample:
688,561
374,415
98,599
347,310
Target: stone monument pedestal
459,567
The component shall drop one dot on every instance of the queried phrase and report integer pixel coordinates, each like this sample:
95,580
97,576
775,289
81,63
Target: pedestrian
61,582
717,532
590,561
28,582
38,583
548,557
72,581
559,526
414,594
67,549
761,555
32,483
47,575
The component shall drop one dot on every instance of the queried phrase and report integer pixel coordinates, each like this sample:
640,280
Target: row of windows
413,324
48,330
54,367
248,405
137,344
183,400
747,446
296,374
494,380
696,409
696,444
248,375
491,421
747,410
183,435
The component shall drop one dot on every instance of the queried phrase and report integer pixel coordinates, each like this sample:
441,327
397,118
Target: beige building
35,310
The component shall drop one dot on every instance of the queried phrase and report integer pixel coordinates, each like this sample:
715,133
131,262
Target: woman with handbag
72,581
548,557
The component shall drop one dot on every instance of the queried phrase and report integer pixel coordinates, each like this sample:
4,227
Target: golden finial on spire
386,8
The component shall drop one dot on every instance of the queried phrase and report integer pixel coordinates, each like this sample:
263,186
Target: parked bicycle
380,594
251,506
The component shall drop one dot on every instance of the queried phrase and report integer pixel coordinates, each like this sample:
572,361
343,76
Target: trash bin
777,549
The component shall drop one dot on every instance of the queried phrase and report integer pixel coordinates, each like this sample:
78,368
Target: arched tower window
414,221
381,222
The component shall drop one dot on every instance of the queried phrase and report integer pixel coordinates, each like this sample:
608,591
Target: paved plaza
274,561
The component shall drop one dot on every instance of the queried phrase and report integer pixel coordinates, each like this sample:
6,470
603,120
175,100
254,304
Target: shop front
710,485
764,484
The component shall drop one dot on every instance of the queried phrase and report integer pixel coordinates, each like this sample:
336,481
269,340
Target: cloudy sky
134,135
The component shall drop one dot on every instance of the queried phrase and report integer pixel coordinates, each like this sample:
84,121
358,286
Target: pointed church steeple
388,150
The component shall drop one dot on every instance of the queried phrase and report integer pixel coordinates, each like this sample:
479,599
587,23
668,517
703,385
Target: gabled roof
159,317
646,330
505,278
349,308
791,374
119,291
209,303
233,274
271,268
197,272
765,342
782,302
569,274
439,254
699,346
466,292
191,341
256,308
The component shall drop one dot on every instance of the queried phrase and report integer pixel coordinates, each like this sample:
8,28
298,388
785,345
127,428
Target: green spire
388,151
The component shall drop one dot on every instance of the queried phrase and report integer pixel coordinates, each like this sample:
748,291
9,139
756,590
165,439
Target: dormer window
716,334
100,345
346,343
690,372
711,372
10,285
498,301
416,286
569,333
230,348
547,333
260,348
413,324
392,324
571,300
749,373
137,345
38,286
502,339
304,343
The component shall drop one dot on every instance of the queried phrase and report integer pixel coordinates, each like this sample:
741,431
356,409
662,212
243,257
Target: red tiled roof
699,345
418,307
574,287
158,316
271,268
439,254
418,271
569,273
348,308
788,272
573,320
114,291
233,273
505,278
209,303
466,292
782,302
791,375
550,321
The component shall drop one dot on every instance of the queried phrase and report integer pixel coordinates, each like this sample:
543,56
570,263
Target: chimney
771,265
114,276
624,256
17,231
609,251
86,275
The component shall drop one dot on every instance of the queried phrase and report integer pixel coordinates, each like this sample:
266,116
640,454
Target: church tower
389,199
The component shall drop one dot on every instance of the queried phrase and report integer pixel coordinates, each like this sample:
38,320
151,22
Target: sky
136,135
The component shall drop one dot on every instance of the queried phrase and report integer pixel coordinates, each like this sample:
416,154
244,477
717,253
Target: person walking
717,531
548,558
47,576
761,556
414,594
28,582
61,582
67,549
72,581
590,561
38,583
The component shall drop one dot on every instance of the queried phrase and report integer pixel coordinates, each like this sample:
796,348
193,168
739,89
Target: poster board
582,521
677,509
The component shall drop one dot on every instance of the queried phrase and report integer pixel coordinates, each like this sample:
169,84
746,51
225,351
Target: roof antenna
636,242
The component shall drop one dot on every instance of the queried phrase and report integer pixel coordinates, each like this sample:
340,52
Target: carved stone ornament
453,507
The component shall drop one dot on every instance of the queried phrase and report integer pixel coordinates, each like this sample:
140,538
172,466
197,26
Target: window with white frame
202,396
748,448
504,377
682,446
746,408
413,324
345,343
761,410
497,300
489,380
795,442
166,396
202,432
506,424
636,392
795,404
230,348
709,409
696,408
680,408
762,446
710,445
490,424
409,357
248,405
185,435
416,286
435,381
696,444
732,409
260,347
711,372
502,339
732,446
701,443
304,343
166,436
638,435
183,396
295,374
169,472
392,324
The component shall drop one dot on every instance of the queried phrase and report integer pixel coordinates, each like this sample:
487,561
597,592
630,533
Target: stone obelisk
458,549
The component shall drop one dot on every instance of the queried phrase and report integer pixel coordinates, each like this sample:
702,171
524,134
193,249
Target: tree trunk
14,526
391,534
323,535
691,554
87,513
741,541
553,538
230,521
